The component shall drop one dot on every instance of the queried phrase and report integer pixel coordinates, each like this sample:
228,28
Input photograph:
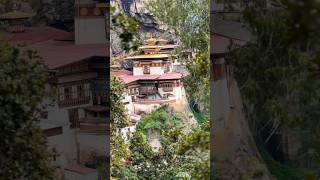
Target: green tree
119,150
23,152
127,27
119,117
181,156
278,73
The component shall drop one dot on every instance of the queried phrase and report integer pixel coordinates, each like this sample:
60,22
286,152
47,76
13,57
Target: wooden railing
147,91
154,101
167,89
95,120
74,102
101,128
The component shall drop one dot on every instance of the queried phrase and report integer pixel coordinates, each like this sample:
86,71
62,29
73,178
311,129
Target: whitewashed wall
70,175
156,70
91,144
65,146
137,71
90,31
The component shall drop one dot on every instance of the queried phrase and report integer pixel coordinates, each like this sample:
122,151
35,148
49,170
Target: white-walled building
74,117
152,82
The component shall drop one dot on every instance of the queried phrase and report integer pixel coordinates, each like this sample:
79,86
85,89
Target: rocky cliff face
147,24
235,155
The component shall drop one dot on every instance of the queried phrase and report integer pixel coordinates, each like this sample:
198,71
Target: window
74,92
61,94
80,91
68,93
146,69
166,67
87,89
167,87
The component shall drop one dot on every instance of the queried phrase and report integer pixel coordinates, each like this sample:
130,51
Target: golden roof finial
151,41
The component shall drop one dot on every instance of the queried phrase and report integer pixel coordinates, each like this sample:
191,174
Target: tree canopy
23,150
278,72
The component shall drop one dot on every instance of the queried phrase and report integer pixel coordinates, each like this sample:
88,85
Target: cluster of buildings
151,82
75,118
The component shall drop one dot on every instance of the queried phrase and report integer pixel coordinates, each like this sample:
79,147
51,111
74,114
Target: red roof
56,54
34,35
169,46
170,75
125,75
80,169
55,46
128,77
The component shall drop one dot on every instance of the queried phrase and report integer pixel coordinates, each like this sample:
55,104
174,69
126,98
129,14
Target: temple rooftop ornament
15,20
162,42
151,41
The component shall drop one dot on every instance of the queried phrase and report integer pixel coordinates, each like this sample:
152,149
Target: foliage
127,27
160,119
23,150
280,171
119,117
119,156
278,73
181,156
199,117
197,83
189,19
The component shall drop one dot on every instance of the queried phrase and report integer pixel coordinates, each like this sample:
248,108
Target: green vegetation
118,150
127,27
280,171
180,154
278,74
119,116
22,147
159,119
199,117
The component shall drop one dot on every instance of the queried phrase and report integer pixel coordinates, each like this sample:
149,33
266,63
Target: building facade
152,81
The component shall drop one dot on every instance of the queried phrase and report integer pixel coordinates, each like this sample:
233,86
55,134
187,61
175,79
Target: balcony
74,102
167,89
151,90
94,125
95,120
154,101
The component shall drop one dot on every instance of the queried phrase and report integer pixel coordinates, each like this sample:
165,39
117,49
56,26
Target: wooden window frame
146,69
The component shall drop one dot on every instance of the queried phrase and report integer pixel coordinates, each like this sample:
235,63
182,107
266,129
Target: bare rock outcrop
234,152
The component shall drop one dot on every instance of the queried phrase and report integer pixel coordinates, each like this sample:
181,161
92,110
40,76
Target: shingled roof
55,46
232,29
